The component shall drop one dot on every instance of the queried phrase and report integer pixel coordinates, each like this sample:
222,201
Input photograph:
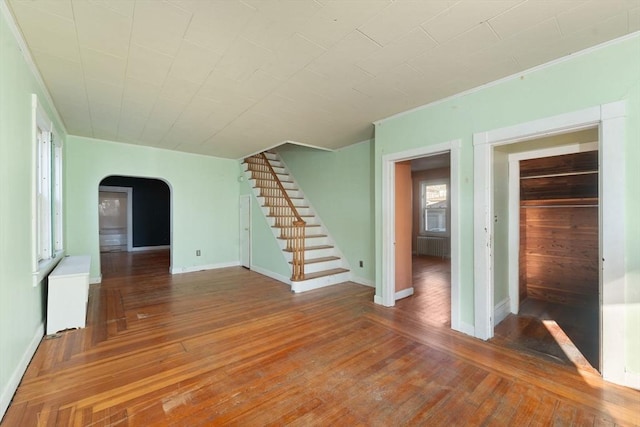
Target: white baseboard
404,293
193,269
13,383
95,280
363,281
377,299
501,310
149,248
271,274
632,380
467,329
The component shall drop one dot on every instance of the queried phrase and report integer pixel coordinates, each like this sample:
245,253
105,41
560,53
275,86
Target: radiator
435,246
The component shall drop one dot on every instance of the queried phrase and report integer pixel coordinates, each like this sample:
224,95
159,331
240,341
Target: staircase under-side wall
323,263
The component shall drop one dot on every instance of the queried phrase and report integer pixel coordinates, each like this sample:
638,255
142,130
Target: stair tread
297,207
289,216
324,273
321,259
309,236
291,226
313,248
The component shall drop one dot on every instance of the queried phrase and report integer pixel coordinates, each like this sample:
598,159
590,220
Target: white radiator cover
432,245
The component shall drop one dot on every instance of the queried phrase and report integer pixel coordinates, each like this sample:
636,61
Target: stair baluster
287,218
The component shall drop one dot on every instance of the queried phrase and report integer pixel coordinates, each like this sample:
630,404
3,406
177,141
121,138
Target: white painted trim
26,54
501,311
194,268
95,280
611,121
302,144
363,281
387,298
514,76
467,328
632,379
14,381
129,192
245,197
404,293
271,274
377,300
149,248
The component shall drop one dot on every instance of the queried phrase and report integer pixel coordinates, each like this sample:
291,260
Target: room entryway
421,242
134,216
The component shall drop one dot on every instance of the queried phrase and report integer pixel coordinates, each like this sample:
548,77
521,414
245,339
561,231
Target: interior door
245,231
112,217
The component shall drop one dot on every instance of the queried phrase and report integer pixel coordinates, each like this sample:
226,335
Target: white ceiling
229,78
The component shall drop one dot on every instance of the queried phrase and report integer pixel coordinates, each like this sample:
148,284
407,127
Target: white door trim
129,192
611,121
388,222
245,198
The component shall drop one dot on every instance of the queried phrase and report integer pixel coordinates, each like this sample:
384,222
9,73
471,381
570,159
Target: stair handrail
299,226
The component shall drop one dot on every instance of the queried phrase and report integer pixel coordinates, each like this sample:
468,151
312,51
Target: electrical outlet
198,252
361,264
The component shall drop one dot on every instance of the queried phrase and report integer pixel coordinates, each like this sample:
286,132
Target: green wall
606,74
204,199
21,304
338,184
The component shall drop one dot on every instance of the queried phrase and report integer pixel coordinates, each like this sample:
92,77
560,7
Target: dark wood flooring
232,347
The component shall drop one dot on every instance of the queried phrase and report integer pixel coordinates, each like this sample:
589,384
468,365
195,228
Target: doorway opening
490,279
134,216
546,214
427,254
420,233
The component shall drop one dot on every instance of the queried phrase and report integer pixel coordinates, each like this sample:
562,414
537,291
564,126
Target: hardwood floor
431,299
232,347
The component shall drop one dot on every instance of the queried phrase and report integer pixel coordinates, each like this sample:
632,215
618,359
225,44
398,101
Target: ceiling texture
229,78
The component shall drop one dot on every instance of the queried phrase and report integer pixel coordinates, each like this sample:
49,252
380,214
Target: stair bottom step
324,273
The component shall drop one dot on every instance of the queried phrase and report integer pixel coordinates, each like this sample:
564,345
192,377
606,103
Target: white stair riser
317,253
271,156
309,241
320,282
309,220
281,177
296,202
286,185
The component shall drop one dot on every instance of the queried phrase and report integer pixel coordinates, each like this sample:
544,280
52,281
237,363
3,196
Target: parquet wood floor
232,347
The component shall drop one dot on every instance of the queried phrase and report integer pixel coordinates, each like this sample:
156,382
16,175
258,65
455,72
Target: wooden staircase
314,260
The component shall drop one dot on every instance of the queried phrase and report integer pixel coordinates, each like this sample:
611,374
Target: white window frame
46,198
423,226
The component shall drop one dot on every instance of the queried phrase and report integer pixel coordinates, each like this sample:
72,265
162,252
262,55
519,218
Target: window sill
46,266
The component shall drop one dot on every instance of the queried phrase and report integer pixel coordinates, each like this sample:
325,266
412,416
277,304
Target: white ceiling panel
102,93
103,67
528,14
292,55
243,75
338,18
159,25
100,27
400,17
193,63
276,22
217,24
417,42
463,16
148,65
242,59
41,26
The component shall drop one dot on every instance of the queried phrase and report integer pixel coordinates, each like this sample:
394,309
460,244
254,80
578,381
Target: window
435,207
47,194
